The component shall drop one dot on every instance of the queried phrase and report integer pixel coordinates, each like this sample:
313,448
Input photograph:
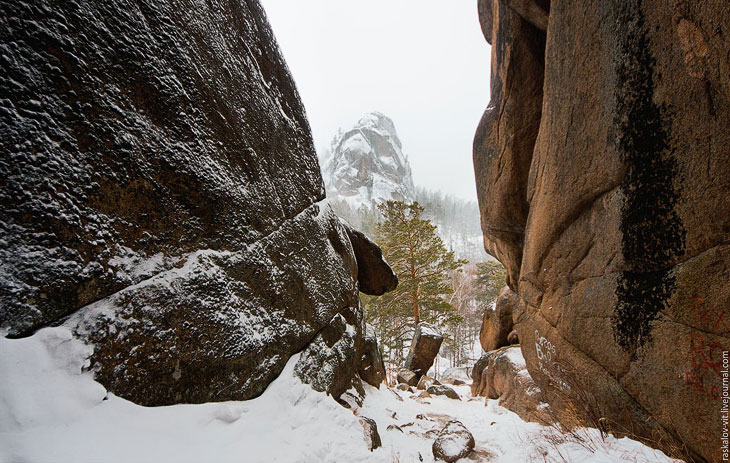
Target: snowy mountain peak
366,163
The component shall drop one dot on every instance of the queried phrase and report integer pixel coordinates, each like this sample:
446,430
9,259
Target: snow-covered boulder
404,387
440,389
372,436
453,442
161,189
407,377
455,375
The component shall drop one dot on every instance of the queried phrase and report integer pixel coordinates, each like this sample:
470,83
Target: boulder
497,323
455,375
440,389
372,437
425,382
424,348
372,367
453,442
506,378
603,182
478,370
407,377
374,275
162,198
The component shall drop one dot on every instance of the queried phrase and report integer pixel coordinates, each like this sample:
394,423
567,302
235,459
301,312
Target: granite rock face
603,180
161,196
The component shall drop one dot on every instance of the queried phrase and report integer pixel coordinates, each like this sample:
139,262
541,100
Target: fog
424,63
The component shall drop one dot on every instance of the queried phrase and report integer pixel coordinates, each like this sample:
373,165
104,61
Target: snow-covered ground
52,411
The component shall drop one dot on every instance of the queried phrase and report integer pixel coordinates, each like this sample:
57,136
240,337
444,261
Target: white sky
423,63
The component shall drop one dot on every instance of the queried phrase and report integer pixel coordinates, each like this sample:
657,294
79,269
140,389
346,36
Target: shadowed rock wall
604,183
160,187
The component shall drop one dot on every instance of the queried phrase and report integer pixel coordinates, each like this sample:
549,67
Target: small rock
407,377
350,400
424,395
425,382
440,389
372,437
453,442
513,338
394,427
404,387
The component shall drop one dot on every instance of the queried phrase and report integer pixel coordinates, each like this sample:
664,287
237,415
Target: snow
131,266
52,410
427,329
515,356
496,430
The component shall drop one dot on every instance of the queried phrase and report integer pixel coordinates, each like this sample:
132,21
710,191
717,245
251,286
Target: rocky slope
161,197
367,164
601,165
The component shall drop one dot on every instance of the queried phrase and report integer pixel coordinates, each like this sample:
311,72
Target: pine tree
423,265
491,278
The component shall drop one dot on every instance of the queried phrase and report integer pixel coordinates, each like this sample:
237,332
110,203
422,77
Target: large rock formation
367,164
604,184
160,187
